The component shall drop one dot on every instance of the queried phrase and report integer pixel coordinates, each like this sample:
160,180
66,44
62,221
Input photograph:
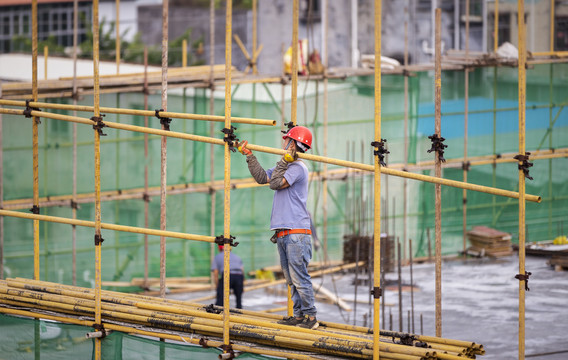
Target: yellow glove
242,147
291,155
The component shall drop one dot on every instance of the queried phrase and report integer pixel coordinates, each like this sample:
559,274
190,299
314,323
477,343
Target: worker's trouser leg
295,254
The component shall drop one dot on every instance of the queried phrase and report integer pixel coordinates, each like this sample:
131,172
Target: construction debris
489,242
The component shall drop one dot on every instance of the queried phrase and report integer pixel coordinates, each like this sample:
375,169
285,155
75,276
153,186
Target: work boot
309,323
291,321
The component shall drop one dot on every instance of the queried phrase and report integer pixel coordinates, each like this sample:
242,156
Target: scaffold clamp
438,146
212,309
524,164
98,240
289,125
228,352
524,277
377,292
28,111
222,240
203,343
165,121
381,150
35,210
466,165
230,137
100,328
99,124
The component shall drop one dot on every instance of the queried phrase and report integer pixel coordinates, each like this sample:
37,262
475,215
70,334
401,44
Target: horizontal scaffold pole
149,113
123,228
332,161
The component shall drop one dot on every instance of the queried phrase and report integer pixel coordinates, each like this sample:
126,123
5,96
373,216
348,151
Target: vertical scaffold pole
496,26
377,186
254,36
325,127
75,96
522,104
552,10
213,193
1,194
405,161
97,150
146,196
45,57
294,107
35,131
164,147
438,171
117,42
227,177
465,124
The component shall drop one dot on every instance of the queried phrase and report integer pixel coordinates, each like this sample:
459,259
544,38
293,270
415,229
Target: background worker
237,276
290,220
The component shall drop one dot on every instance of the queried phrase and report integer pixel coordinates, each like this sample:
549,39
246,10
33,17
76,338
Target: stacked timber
489,242
204,325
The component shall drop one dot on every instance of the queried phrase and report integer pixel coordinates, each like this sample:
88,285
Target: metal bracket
28,111
98,240
99,124
524,164
221,240
377,292
163,120
289,125
230,137
438,146
524,277
381,151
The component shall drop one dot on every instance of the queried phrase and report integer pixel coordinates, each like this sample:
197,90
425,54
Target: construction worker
237,276
290,220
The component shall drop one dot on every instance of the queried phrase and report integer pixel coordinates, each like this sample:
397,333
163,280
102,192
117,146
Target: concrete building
351,29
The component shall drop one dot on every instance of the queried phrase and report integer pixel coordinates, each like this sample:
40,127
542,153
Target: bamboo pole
164,147
106,226
465,119
75,96
552,5
377,291
97,151
1,191
166,114
146,196
495,27
227,174
184,53
255,51
405,160
213,194
35,131
117,37
325,129
45,56
522,104
438,172
350,164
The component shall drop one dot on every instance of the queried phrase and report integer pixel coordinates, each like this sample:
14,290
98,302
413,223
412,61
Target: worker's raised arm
257,172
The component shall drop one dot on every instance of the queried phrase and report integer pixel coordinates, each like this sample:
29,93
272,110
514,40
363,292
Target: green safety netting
66,341
493,129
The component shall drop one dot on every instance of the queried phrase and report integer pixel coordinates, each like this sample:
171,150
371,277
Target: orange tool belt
294,231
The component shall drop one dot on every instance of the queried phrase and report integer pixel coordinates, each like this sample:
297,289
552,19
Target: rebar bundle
197,319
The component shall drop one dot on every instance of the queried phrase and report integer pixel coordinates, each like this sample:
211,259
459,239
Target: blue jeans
295,254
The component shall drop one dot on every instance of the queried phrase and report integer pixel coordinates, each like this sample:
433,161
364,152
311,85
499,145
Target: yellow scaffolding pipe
227,175
35,131
332,161
552,4
522,104
106,226
377,291
167,114
117,40
97,151
496,26
438,171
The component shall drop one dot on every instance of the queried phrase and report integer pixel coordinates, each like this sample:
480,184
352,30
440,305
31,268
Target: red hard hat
301,134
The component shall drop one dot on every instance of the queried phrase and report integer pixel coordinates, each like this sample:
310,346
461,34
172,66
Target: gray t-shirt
235,263
289,207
